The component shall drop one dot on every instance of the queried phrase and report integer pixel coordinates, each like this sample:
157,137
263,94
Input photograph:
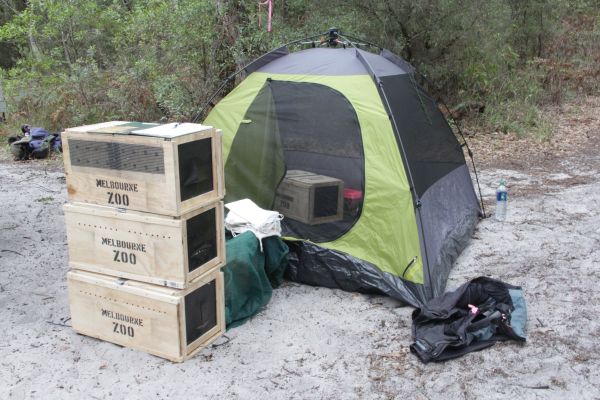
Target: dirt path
322,343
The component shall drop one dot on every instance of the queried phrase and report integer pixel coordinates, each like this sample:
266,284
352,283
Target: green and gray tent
362,118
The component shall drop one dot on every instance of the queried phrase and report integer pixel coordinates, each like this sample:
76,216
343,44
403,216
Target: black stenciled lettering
123,318
123,244
124,257
118,199
115,185
123,329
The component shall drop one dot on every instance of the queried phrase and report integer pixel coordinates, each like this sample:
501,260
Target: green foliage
72,62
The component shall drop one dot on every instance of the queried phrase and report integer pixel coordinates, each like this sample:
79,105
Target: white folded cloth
244,215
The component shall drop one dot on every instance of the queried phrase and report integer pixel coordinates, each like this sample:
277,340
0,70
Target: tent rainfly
359,117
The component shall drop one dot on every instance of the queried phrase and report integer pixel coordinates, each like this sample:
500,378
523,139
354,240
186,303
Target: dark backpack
37,143
19,147
40,148
470,318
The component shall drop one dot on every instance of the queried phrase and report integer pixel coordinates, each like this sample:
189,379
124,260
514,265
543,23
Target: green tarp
251,275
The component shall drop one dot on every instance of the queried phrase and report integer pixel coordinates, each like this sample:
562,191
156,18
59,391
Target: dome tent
361,118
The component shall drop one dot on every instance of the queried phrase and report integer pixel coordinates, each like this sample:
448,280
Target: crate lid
95,127
123,214
161,293
313,179
291,173
171,130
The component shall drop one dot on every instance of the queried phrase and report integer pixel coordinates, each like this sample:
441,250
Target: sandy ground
321,343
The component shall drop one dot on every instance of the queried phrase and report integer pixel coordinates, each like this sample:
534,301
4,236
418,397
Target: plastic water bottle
501,200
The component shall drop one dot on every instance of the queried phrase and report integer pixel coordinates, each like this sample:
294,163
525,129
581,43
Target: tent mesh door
310,131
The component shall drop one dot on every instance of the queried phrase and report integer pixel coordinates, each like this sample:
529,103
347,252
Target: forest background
495,62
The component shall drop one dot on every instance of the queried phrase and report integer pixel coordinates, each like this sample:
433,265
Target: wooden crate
164,169
310,198
167,251
170,323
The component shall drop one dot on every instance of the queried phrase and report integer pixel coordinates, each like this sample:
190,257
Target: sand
314,342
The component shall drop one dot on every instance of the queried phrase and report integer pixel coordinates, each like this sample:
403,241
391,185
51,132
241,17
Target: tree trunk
35,50
65,49
33,45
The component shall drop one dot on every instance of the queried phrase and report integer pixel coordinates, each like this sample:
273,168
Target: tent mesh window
432,149
311,133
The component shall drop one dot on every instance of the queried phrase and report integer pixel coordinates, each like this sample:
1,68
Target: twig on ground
228,339
279,375
63,323
27,179
11,251
45,188
291,372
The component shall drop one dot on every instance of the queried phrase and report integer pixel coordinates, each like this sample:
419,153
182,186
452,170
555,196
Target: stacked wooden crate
145,232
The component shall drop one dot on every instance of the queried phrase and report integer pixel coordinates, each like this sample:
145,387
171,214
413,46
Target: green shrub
85,61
